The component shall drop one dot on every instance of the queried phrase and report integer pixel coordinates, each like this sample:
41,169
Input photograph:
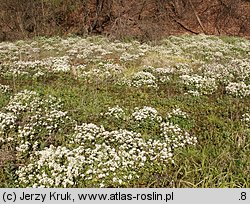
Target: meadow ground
90,112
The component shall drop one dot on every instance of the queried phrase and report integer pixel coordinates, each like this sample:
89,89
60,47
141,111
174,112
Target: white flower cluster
237,70
59,64
7,123
246,119
52,167
53,119
113,158
146,113
23,101
24,147
35,117
238,89
143,79
129,57
8,51
177,112
103,71
162,74
115,112
96,157
36,68
240,68
198,85
4,88
183,68
15,69
27,57
175,136
86,132
207,48
218,71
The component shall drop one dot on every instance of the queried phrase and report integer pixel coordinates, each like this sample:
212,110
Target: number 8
243,196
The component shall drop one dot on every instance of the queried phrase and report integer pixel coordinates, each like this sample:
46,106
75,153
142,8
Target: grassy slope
221,157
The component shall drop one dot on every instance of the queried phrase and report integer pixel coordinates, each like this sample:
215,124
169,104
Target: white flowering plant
29,118
52,91
246,119
180,118
238,89
4,89
114,115
94,156
198,85
145,119
104,72
142,78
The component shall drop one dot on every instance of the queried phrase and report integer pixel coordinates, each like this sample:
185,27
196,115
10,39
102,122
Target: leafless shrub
143,19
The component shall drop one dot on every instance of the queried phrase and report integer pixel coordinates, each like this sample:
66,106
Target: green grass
221,157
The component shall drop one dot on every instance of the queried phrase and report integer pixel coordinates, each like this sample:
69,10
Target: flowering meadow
95,112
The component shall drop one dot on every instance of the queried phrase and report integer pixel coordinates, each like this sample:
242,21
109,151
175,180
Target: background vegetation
51,87
143,19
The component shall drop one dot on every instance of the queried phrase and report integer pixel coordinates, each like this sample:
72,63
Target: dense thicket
144,19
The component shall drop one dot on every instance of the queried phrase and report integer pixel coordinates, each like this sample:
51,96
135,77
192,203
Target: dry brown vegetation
143,19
